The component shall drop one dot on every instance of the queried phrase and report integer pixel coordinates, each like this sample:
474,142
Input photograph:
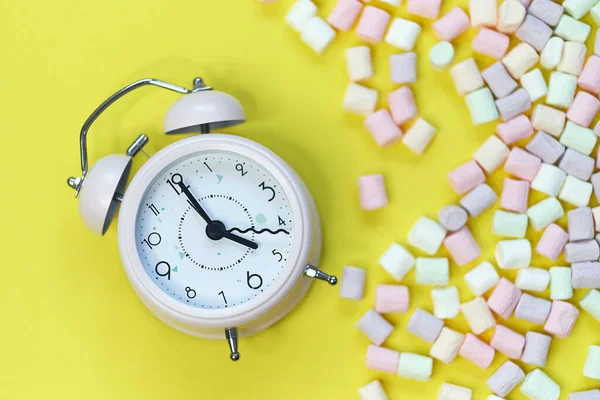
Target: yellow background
72,326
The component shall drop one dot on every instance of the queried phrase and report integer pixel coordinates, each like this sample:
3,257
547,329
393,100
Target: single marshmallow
586,275
504,298
483,12
586,395
482,278
536,349
441,55
491,154
544,213
533,279
426,235
576,192
397,261
532,309
591,303
552,52
317,34
589,79
516,103
584,109
548,119
513,254
415,366
561,89
573,58
478,315
562,319
372,391
549,180
499,80
372,24
446,346
391,299
403,34
509,224
596,215
353,283
581,224
418,136
511,15
490,43
545,147
538,386
576,164
402,105
358,62
479,200
535,85
578,8
425,8
506,378
561,287
595,13
451,25
546,10
596,181
514,130
359,99
508,342
552,242
466,77
477,351
433,271
382,359
425,325
300,13
453,392
375,327
515,195
569,28
462,246
466,177
372,192
446,303
520,59
382,128
481,106
534,32
522,164
403,68
344,14
452,218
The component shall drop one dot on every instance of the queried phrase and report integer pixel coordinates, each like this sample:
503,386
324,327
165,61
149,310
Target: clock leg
231,334
315,273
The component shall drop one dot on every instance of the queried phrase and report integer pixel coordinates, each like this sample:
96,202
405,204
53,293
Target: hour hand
193,202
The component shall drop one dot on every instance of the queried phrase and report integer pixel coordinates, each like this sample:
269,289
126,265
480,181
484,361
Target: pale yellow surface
72,326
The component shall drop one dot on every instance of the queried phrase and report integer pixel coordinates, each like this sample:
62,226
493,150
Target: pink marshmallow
508,342
532,309
372,24
490,43
344,14
505,379
589,79
534,32
584,108
552,242
562,319
515,195
425,8
477,351
451,25
585,275
466,177
514,104
403,67
382,359
504,298
382,128
545,147
499,80
402,104
372,192
515,129
522,164
424,325
392,299
462,246
536,349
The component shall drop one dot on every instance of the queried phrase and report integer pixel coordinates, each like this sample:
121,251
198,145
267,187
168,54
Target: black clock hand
252,229
239,239
193,202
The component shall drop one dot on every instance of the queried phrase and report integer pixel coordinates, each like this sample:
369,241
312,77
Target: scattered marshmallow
418,136
586,275
576,164
425,8
403,67
549,180
552,52
522,164
561,89
481,106
561,287
415,366
490,43
466,77
452,218
545,147
372,24
508,342
511,15
382,128
446,346
466,177
591,303
547,11
504,298
453,392
537,386
482,278
441,55
397,261
382,359
544,213
516,103
372,192
446,303
462,246
360,99
344,14
535,85
403,34
578,8
548,119
483,12
536,349
596,215
491,154
596,181
479,200
569,28
478,315
358,62
586,395
509,224
562,319
581,224
589,79
402,105
353,283
375,327
391,299
584,109
552,242
317,34
573,58
520,59
300,13
506,378
534,32
576,192
532,309
424,325
477,351
426,235
533,279
433,271
513,254
451,25
372,391
515,195
499,80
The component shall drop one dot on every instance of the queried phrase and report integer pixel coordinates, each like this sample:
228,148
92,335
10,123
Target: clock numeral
208,166
175,181
240,168
281,222
163,269
191,293
265,187
152,240
278,254
223,294
153,208
254,278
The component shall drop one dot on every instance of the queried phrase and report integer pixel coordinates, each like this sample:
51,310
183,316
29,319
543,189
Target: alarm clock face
214,229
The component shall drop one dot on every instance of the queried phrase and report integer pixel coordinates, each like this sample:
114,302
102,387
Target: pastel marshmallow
482,107
578,8
548,119
483,12
569,28
353,283
535,85
454,392
403,67
402,105
441,55
403,34
573,58
372,192
462,246
595,13
482,278
372,391
397,261
536,349
586,395
426,235
504,298
561,287
562,319
596,215
415,366
533,279
552,242
591,303
547,11
478,315
586,275
515,195
533,309
538,386
452,217
515,129
451,25
382,359
418,136
360,99
589,79
576,164
584,108
491,154
506,378
578,253
513,254
581,224
499,80
391,299
358,62
552,52
509,224
516,103
479,200
511,15
544,213
490,43
522,164
545,147
466,77
300,13
433,271
466,177
424,8
382,128
561,90
477,351
375,327
508,342
344,14
317,34
576,192
424,325
520,59
446,302
596,181
446,346
549,180
372,24
534,32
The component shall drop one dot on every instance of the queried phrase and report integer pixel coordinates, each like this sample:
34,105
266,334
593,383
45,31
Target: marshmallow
584,109
534,32
508,342
466,77
451,25
561,89
359,99
522,164
382,359
596,216
358,62
549,180
514,104
403,34
425,8
578,8
491,154
504,298
536,349
372,391
546,10
511,15
532,309
596,181
372,24
506,378
561,287
418,136
576,164
586,275
499,80
509,224
535,85
441,55
490,43
446,303
552,242
462,246
544,213
520,59
548,119
344,14
573,58
403,67
397,261
533,279
375,327
515,195
402,105
466,177
591,303
482,278
317,34
595,13
589,79
479,200
425,325
452,218
578,138
562,319
576,192
552,52
478,315
353,283
300,13
391,299
427,235
538,386
433,271
453,392
415,366
586,395
481,106
446,346
513,254
569,28
477,351
483,12
581,224
372,192
545,147
382,128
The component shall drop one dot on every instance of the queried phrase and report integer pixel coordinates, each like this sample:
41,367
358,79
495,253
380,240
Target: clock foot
231,334
315,273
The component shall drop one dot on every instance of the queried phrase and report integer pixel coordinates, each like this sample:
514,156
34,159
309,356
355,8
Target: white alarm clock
217,234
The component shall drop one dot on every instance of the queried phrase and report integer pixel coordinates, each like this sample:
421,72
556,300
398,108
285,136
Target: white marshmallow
483,12
479,200
453,218
544,213
591,368
538,386
576,192
579,138
509,224
511,15
561,89
552,53
578,8
548,119
593,394
397,261
595,13
446,303
358,61
533,279
591,303
433,271
520,60
418,136
466,77
453,392
491,154
513,254
482,278
482,106
300,13
317,34
372,391
561,287
535,85
549,180
573,58
506,378
446,346
427,235
359,99
415,366
403,34
569,28
353,283
596,215
478,315
375,327
441,55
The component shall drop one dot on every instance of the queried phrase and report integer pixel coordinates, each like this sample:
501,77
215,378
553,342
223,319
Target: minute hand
194,203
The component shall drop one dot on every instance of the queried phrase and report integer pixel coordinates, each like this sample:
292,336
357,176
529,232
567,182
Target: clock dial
214,230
